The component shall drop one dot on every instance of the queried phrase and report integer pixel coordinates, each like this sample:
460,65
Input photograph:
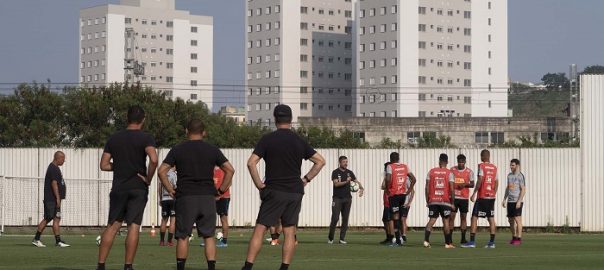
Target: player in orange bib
440,195
397,174
486,188
464,180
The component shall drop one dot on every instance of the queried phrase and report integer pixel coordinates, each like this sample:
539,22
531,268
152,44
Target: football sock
38,234
180,264
162,235
405,237
463,235
284,266
492,238
247,266
224,240
211,265
128,266
472,237
57,238
427,235
170,237
100,266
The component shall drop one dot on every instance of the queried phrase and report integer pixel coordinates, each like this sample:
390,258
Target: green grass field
539,251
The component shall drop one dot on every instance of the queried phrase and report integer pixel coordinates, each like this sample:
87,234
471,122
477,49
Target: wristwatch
306,178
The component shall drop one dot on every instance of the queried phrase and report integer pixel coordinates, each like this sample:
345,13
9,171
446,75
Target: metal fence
553,181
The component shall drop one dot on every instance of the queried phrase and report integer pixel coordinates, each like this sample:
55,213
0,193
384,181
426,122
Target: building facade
424,58
300,53
174,47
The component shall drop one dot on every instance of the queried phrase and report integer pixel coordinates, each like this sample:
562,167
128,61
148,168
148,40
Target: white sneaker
38,243
62,244
330,242
343,242
427,244
268,239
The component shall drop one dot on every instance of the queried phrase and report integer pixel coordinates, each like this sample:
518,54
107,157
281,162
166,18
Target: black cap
282,110
443,157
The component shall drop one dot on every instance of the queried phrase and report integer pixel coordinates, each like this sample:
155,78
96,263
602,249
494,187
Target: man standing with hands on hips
282,192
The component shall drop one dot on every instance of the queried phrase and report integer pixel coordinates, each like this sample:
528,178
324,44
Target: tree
555,81
595,69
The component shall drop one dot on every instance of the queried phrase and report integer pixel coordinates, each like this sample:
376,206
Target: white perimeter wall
553,181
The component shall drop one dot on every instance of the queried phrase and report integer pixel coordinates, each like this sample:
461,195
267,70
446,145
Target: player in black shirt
342,198
195,194
54,193
281,193
129,150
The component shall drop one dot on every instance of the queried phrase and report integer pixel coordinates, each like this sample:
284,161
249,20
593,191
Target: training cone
152,230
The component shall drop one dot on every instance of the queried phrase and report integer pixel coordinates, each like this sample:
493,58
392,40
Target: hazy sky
39,38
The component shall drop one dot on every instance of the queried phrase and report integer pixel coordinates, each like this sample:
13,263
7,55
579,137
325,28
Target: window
362,13
481,137
422,62
422,27
383,11
372,12
267,10
194,56
303,74
382,28
497,138
467,82
467,48
304,26
394,9
467,100
258,27
193,29
303,106
383,45
193,83
193,97
277,57
383,62
276,73
249,28
422,80
393,62
277,8
421,97
258,11
348,14
372,64
393,27
267,26
439,12
303,58
422,10
372,29
422,45
169,65
394,79
467,32
193,69
304,10
128,20
277,25
267,43
467,65
169,24
439,29
372,99
413,137
372,46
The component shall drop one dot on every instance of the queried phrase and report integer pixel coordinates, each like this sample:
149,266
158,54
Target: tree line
35,116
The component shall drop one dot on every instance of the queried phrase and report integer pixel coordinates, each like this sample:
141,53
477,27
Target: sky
39,38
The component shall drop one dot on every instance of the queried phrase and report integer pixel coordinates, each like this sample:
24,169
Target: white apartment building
428,58
175,48
300,53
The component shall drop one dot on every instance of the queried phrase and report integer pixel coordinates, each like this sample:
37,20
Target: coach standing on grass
282,192
342,198
196,193
54,193
131,179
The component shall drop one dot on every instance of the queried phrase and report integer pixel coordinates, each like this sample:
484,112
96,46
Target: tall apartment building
300,53
426,58
175,48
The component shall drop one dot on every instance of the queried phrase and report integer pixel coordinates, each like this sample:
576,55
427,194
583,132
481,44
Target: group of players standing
193,198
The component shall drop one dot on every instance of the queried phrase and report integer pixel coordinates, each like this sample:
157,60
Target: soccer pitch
539,251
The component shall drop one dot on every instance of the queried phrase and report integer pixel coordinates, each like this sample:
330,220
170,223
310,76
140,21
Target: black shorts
198,209
386,216
484,208
127,206
50,210
436,210
222,206
512,211
278,205
167,209
461,205
397,202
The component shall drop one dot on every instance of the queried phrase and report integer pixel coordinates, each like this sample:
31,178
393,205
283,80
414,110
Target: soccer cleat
161,243
62,244
470,244
490,245
202,244
330,242
449,246
38,243
275,242
221,244
395,245
269,239
427,244
170,244
517,242
512,241
343,242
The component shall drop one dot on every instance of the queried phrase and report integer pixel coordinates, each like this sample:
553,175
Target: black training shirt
342,192
127,149
283,152
195,161
53,173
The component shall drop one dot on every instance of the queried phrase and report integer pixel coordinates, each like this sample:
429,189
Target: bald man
54,193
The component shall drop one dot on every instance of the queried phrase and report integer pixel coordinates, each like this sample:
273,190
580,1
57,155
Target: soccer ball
98,240
219,235
354,187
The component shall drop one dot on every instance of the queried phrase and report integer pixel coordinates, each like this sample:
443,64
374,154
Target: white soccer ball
98,240
354,187
219,235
